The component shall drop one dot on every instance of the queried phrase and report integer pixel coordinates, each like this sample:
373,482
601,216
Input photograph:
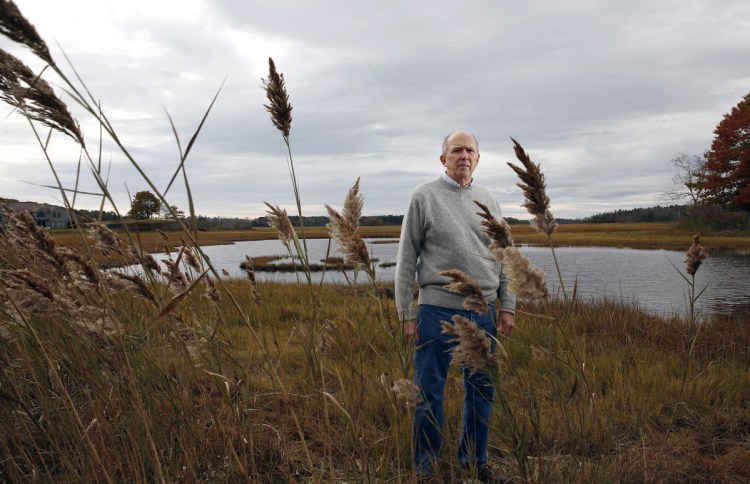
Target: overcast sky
601,93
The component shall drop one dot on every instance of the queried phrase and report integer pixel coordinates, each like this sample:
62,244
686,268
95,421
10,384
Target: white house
46,215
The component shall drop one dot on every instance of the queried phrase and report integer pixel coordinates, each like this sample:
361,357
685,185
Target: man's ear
478,156
442,159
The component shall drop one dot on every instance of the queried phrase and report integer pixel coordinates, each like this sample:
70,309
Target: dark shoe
488,474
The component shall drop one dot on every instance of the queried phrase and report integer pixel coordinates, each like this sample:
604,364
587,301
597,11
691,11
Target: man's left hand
505,323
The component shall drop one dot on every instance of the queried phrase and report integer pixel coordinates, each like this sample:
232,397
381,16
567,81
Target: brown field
636,235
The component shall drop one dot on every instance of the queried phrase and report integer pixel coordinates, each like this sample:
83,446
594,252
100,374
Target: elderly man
441,231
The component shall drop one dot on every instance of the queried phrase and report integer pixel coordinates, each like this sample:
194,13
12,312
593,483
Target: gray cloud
602,94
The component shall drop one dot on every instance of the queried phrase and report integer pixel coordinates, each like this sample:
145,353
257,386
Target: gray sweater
441,231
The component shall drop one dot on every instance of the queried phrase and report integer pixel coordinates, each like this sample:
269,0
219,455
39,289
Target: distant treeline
671,213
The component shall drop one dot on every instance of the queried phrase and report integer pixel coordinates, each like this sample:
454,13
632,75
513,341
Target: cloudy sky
601,93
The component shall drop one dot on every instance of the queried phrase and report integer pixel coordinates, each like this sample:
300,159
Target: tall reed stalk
696,255
281,115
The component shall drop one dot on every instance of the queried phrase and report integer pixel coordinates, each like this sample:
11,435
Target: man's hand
505,323
410,331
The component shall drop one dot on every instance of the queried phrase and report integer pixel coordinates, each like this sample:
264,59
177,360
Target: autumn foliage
726,178
145,205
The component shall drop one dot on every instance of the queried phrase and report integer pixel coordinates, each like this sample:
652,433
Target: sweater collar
450,181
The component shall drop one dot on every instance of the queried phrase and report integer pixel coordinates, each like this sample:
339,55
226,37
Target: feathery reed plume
343,228
250,272
88,269
534,189
537,354
408,391
497,230
149,263
696,255
469,287
33,241
147,260
279,107
136,284
324,342
32,294
165,240
526,282
30,280
353,204
330,326
110,241
34,98
15,26
178,282
189,256
212,293
248,267
325,339
279,220
473,349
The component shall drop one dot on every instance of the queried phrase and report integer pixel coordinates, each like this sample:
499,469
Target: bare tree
684,188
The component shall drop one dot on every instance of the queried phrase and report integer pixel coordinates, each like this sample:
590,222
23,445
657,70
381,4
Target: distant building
46,215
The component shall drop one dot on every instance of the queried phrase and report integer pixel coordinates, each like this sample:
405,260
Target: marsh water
649,278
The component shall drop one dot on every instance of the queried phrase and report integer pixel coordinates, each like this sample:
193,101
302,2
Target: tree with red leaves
725,179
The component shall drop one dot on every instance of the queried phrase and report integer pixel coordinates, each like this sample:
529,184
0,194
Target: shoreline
633,236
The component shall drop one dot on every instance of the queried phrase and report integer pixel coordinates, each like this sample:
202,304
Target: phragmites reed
528,283
249,268
25,289
212,293
279,107
110,241
497,230
189,256
696,255
344,228
534,189
164,237
147,260
178,281
83,263
325,336
279,220
33,242
34,98
30,280
473,349
15,26
136,284
408,391
165,240
250,273
469,287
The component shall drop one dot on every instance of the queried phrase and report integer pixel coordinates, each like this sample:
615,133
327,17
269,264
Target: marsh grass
186,375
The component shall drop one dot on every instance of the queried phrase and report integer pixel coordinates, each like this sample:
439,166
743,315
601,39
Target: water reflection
647,277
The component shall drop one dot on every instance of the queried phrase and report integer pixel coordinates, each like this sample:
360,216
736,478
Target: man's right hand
410,331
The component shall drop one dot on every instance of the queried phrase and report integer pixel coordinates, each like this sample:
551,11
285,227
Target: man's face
461,158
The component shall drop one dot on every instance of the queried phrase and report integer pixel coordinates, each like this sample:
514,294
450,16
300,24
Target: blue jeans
431,362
